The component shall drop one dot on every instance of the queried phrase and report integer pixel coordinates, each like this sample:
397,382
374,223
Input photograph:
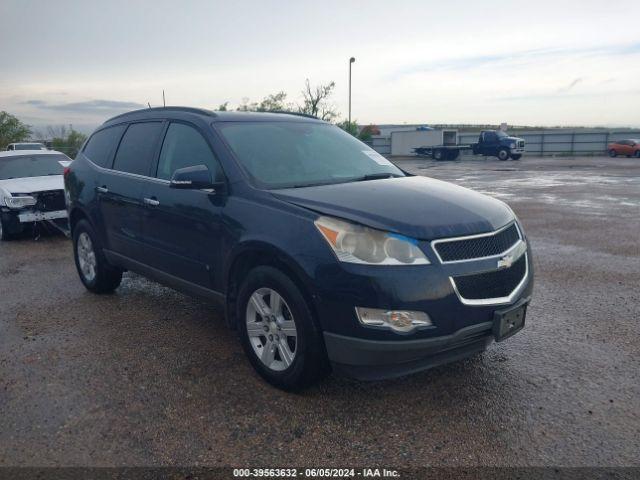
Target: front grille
521,143
485,246
50,201
495,284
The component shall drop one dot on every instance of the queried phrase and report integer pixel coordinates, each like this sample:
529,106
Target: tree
245,106
368,131
316,101
351,128
275,103
12,130
223,107
68,143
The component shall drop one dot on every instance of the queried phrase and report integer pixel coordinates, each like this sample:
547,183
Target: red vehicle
630,147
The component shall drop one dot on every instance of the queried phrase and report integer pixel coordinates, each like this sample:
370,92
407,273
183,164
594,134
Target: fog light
397,320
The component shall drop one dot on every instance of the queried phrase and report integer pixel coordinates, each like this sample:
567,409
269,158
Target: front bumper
36,216
378,359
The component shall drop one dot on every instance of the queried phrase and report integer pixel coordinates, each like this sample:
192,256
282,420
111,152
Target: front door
489,143
182,227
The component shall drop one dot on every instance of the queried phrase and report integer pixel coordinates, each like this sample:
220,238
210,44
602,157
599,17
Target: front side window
299,154
184,146
100,147
137,148
31,166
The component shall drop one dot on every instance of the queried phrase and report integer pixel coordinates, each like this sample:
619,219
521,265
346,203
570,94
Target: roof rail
201,111
299,114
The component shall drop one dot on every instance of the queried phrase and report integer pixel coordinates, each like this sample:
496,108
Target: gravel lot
148,376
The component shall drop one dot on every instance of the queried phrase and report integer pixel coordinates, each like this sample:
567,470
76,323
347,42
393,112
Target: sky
429,62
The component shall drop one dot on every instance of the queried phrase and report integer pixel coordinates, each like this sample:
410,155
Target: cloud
86,107
570,86
516,58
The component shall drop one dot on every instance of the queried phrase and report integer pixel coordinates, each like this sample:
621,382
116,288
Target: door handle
151,201
102,189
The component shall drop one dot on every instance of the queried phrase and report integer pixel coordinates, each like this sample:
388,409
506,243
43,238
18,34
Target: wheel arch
255,253
75,215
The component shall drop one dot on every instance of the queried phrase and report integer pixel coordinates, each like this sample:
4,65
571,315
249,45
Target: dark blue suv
322,252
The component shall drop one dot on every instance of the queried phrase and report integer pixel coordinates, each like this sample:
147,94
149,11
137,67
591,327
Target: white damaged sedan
31,189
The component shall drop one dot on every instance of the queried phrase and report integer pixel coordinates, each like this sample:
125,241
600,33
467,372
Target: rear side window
184,146
102,144
137,148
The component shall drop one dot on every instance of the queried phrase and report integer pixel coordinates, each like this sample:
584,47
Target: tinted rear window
102,144
29,146
137,148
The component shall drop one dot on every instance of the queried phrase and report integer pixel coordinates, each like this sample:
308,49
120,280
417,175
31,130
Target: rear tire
613,153
503,154
516,157
97,275
438,155
275,320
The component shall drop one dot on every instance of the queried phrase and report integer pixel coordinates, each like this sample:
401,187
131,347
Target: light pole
351,60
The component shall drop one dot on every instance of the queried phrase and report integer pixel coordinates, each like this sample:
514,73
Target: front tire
516,157
503,154
97,275
278,331
637,154
4,233
613,153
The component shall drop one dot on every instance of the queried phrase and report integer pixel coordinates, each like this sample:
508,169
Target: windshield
29,146
501,134
31,166
299,154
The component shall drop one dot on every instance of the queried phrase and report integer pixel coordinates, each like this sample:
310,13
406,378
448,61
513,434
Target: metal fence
542,142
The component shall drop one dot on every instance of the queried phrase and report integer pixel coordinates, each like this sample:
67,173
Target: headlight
357,244
19,201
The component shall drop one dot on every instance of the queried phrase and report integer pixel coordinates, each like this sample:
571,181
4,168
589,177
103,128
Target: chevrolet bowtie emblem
505,262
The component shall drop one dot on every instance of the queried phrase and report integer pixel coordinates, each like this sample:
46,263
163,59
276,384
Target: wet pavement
148,376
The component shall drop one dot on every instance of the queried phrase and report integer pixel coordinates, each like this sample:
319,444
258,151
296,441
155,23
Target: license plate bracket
508,322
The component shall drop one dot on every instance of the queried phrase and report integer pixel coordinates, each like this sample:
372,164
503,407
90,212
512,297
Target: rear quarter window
137,147
102,144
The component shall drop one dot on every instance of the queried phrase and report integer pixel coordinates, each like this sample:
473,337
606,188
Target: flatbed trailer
442,152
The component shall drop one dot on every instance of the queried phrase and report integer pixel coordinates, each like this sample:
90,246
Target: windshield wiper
371,176
378,176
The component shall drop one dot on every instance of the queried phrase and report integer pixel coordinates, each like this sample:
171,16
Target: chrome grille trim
500,300
518,249
470,237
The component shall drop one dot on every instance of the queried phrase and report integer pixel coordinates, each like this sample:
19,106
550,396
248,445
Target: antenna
163,102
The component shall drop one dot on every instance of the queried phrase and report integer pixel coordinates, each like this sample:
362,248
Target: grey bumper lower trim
357,351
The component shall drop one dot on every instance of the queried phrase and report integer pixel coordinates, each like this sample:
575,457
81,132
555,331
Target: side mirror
197,177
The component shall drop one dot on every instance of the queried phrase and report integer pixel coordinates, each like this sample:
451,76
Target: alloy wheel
271,329
86,257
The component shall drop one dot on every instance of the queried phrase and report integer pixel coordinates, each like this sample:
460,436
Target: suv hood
419,207
33,184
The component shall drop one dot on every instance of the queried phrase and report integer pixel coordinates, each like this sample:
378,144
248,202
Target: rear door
120,189
183,227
